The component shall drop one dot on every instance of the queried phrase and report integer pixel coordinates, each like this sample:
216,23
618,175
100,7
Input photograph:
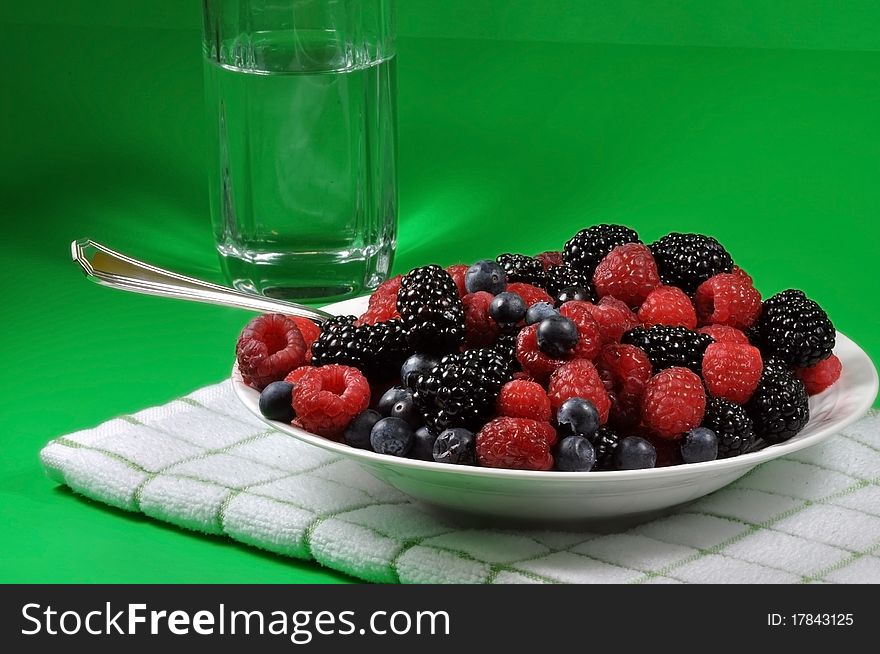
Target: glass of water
301,98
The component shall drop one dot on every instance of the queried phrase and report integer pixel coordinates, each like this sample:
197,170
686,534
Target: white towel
202,462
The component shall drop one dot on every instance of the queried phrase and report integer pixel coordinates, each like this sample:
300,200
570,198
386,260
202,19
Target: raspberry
309,330
523,399
516,443
531,358
327,399
579,378
668,305
480,329
732,370
295,375
457,273
550,259
529,293
590,336
614,319
739,272
725,334
383,303
728,299
819,377
628,273
625,370
674,403
268,348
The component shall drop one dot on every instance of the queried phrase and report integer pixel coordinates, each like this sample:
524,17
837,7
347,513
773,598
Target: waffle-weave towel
204,463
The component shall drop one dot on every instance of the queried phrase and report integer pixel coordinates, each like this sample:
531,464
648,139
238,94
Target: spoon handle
110,268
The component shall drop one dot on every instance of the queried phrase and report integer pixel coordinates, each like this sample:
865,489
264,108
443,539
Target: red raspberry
579,378
523,399
727,299
819,377
309,330
480,329
529,293
614,319
668,305
625,370
732,370
535,362
268,348
674,403
517,443
521,375
326,399
590,340
383,303
725,334
550,259
457,273
295,375
739,272
628,273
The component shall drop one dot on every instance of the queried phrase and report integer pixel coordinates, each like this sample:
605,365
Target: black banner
431,618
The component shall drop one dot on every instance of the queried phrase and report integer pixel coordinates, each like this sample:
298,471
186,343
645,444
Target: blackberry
670,346
505,346
795,329
605,442
520,268
736,433
431,310
779,407
589,246
376,350
461,390
562,277
688,260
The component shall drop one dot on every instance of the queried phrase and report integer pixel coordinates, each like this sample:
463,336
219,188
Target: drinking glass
301,98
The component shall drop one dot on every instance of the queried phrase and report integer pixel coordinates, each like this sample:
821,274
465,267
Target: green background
520,122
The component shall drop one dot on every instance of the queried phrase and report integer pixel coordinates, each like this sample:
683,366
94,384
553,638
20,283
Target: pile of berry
610,354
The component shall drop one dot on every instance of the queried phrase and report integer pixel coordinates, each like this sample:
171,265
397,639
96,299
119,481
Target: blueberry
507,308
456,445
392,436
557,335
275,401
577,416
391,397
415,365
485,275
571,293
406,409
634,453
357,434
575,454
423,445
538,311
698,445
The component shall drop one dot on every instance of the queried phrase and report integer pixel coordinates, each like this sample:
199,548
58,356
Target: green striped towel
202,462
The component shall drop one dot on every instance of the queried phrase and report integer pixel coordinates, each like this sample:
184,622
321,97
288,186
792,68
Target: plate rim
249,398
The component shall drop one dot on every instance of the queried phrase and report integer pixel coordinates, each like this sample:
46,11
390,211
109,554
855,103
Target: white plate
586,495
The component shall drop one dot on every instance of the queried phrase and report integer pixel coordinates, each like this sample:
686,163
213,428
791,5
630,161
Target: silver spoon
111,268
